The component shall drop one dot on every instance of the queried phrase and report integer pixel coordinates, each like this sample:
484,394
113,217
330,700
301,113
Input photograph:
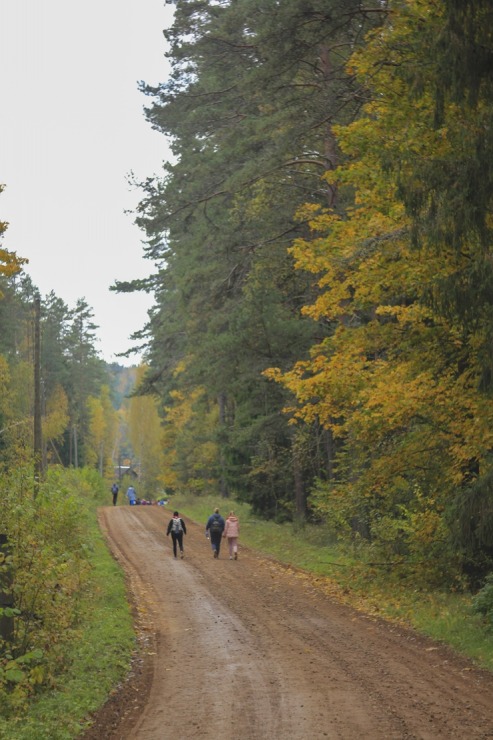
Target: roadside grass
344,575
98,656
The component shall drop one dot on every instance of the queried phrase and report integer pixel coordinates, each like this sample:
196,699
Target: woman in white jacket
231,532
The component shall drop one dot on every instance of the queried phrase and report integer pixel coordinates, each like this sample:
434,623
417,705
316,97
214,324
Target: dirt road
250,650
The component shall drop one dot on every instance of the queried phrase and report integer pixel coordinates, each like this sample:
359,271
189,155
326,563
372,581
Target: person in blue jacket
131,495
214,530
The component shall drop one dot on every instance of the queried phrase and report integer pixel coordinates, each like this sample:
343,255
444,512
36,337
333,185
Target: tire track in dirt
250,649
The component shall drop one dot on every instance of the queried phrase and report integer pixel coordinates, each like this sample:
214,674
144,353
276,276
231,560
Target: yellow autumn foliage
397,383
56,417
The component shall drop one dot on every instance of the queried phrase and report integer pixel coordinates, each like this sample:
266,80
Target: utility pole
38,447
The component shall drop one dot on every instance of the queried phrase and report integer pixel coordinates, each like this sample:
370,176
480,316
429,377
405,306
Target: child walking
231,532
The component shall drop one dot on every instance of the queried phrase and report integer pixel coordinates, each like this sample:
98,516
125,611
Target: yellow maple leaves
10,263
396,381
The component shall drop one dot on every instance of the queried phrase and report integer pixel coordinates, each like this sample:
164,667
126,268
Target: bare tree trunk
56,452
299,489
330,453
76,446
330,147
223,485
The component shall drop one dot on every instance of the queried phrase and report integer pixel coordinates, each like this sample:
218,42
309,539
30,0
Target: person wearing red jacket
231,532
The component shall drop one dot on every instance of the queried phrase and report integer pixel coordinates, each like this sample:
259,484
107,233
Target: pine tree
254,91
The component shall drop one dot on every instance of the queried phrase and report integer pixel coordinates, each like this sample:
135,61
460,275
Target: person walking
214,530
131,495
177,528
231,533
114,492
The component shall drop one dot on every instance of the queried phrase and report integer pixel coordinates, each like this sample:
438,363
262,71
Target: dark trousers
177,538
216,541
115,496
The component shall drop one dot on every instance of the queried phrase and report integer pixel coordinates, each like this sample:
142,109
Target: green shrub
482,602
49,571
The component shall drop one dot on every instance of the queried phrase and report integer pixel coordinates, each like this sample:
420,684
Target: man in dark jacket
214,529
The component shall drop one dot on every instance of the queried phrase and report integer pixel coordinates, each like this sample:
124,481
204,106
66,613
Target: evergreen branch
264,242
244,185
230,44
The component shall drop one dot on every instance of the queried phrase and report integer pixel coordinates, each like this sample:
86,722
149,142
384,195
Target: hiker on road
114,493
177,528
131,495
214,530
231,532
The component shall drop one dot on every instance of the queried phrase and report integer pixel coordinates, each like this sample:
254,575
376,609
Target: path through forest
250,650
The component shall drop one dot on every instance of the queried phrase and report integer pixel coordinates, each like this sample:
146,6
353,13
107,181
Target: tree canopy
325,224
255,90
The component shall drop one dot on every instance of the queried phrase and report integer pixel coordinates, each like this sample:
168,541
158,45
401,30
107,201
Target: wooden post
223,483
75,446
38,446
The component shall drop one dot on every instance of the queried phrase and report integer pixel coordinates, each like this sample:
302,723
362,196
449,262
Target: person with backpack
114,493
177,529
231,533
214,530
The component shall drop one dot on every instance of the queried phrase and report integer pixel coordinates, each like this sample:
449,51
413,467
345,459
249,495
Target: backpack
176,526
215,525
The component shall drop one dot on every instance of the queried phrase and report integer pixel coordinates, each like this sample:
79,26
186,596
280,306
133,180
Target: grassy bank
98,655
446,617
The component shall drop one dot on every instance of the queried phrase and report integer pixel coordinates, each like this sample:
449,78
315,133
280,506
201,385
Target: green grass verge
446,617
99,656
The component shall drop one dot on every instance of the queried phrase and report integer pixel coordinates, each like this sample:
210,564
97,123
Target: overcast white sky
71,129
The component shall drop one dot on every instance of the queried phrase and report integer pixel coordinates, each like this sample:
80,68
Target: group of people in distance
131,494
216,529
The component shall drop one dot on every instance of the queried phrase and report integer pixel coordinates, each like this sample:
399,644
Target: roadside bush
86,483
482,602
49,570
